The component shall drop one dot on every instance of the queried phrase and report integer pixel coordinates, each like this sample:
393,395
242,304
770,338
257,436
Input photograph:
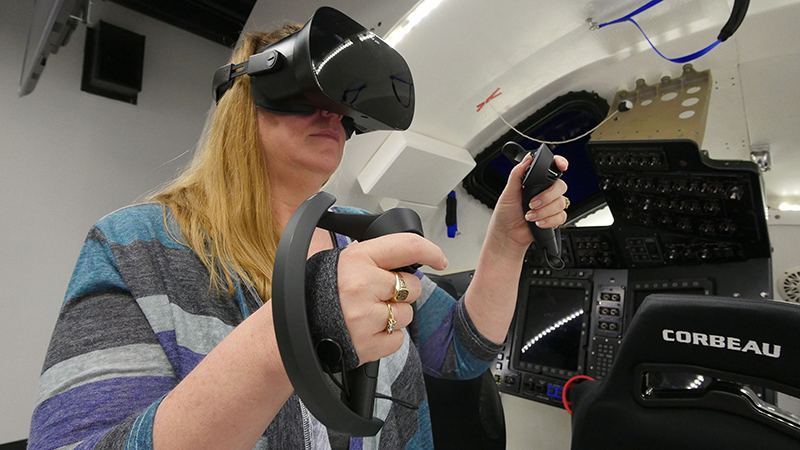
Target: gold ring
390,323
566,201
400,288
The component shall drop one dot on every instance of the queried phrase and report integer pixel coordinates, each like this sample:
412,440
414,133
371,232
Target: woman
164,342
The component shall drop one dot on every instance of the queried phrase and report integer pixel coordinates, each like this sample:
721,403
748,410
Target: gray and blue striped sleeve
450,346
105,371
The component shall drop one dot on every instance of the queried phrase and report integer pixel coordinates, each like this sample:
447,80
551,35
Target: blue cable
682,59
650,4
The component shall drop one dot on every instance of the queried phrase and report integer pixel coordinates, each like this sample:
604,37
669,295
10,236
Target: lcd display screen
551,335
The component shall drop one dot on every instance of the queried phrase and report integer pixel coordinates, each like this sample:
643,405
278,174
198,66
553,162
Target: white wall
784,232
66,159
784,229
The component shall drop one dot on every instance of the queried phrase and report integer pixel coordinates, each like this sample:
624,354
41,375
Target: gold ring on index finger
566,202
400,288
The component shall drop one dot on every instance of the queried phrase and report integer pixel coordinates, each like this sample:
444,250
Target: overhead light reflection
367,35
788,207
696,383
333,54
362,37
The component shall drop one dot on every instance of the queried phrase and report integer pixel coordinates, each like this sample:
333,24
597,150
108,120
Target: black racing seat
465,414
687,376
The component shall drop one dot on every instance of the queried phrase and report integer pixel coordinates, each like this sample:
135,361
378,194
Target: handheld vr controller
347,412
540,175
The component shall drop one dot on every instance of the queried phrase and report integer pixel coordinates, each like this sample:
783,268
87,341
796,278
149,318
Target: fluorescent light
414,16
788,207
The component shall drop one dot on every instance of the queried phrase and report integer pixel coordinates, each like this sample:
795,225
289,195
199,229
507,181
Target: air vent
789,285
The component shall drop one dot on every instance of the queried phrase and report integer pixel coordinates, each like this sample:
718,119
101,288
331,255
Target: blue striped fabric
92,409
140,221
138,317
98,272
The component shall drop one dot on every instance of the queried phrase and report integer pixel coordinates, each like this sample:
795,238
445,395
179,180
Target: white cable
553,142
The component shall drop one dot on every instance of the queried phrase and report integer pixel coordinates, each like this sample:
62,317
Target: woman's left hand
492,295
508,224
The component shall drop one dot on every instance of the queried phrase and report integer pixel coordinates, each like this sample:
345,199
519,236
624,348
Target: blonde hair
222,201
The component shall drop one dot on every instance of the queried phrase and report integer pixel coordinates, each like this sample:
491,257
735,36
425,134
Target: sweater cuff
477,344
322,301
141,434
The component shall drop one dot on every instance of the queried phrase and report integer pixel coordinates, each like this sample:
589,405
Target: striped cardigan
138,316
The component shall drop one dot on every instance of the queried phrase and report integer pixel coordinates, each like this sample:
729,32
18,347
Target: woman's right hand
366,286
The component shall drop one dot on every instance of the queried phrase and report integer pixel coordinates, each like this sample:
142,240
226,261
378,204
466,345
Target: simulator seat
687,376
465,414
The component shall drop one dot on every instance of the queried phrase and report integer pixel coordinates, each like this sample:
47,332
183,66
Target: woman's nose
325,113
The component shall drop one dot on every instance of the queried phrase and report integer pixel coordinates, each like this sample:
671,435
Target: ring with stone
390,323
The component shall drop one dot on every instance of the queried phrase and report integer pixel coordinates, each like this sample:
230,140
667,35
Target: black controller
302,358
540,175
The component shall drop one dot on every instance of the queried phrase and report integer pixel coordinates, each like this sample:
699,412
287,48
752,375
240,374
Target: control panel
572,321
592,248
673,205
683,224
608,324
568,322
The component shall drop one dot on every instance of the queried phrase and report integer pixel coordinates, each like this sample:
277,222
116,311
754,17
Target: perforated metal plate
673,109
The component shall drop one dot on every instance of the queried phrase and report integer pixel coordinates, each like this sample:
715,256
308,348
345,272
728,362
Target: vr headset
334,64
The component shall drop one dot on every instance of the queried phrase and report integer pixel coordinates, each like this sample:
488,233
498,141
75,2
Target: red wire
567,385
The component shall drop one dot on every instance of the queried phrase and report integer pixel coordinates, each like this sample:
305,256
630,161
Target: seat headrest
646,401
753,338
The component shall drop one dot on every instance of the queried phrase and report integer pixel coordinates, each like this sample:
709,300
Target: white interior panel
415,168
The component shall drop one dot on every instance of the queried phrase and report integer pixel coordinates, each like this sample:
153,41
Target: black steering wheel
346,412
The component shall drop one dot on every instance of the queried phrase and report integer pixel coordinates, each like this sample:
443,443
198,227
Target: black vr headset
334,64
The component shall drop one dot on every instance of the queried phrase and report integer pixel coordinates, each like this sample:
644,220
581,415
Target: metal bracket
676,108
759,154
85,17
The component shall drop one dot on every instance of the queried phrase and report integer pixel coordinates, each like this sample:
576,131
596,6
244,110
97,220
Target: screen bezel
51,27
519,326
672,286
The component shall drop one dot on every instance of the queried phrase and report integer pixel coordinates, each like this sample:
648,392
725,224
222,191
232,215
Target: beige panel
676,108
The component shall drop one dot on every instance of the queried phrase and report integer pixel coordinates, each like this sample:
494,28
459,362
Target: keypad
604,357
